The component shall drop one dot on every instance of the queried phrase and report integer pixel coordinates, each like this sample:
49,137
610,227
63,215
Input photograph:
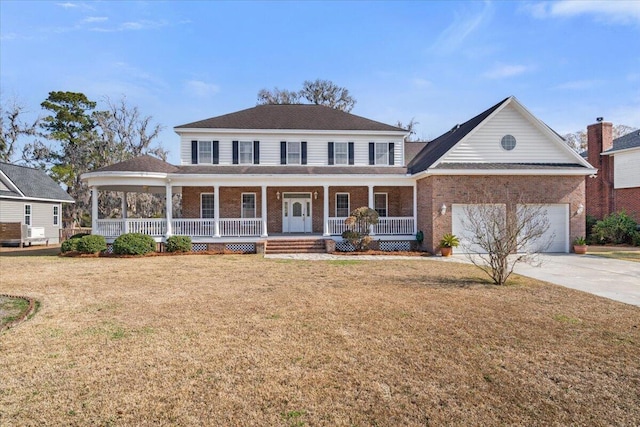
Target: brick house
617,185
277,171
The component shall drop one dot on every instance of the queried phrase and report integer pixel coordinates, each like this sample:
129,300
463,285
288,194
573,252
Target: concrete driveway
609,278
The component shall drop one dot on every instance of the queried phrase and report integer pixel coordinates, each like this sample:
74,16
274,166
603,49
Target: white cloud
420,82
67,5
132,26
201,89
460,29
578,84
92,19
505,71
609,11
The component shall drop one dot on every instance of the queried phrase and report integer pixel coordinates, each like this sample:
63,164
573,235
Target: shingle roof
296,116
630,140
290,170
33,183
144,163
411,149
439,146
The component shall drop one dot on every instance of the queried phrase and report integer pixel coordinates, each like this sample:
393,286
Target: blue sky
568,62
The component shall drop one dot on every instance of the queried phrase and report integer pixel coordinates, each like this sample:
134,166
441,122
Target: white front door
296,214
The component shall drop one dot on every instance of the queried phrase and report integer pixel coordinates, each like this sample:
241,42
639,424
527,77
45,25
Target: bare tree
578,139
13,128
496,241
278,96
410,127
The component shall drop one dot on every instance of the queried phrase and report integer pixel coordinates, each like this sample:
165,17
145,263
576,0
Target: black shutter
283,152
372,153
351,154
391,154
331,153
216,152
235,152
303,152
194,152
256,152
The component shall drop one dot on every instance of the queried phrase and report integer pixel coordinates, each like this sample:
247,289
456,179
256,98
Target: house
276,171
617,185
30,206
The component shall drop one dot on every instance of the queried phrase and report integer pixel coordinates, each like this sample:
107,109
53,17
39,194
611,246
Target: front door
296,214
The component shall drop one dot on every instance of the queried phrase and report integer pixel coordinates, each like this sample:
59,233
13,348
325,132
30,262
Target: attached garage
558,232
557,214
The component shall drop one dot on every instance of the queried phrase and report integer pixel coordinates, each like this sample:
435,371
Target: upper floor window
205,152
248,205
341,153
56,215
207,209
293,153
246,152
381,153
342,205
380,204
27,214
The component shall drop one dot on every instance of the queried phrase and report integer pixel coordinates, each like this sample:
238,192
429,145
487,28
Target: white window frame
28,215
348,205
242,208
380,157
212,209
56,215
200,149
297,152
248,155
338,160
386,204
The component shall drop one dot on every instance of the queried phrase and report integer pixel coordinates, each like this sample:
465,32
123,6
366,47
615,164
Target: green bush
635,240
91,244
590,222
134,244
179,244
79,235
70,245
616,228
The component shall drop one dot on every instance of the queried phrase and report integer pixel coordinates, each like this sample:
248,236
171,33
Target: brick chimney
599,190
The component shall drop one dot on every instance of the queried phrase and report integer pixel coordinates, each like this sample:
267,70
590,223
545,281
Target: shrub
179,244
590,222
70,245
91,244
616,228
134,244
449,241
79,235
635,239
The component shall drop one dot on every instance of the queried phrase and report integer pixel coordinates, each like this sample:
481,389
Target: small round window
508,142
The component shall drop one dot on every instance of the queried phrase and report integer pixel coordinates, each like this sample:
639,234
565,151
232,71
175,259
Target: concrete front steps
295,246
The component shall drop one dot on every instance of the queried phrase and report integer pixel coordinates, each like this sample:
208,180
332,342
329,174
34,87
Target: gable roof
411,150
144,163
31,183
291,117
630,140
442,144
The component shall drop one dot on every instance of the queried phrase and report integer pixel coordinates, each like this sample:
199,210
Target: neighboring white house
299,170
30,197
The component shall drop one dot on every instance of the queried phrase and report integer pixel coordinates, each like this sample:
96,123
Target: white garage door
558,232
461,224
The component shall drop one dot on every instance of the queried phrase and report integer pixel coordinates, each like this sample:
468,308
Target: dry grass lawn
626,253
242,340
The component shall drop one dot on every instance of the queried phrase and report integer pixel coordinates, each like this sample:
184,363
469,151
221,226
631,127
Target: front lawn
242,340
626,253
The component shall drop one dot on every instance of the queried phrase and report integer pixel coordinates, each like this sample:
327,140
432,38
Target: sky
440,63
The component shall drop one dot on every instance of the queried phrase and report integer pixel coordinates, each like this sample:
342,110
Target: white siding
317,146
532,145
626,169
41,215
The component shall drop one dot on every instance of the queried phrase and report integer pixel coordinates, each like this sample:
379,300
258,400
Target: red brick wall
191,200
628,200
231,201
599,190
435,190
358,197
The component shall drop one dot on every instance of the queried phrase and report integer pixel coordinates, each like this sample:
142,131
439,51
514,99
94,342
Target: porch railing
385,226
116,227
193,227
240,227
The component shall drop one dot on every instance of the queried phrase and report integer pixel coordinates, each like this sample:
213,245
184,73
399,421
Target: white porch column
371,206
169,208
415,208
263,204
216,210
326,210
94,210
125,212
